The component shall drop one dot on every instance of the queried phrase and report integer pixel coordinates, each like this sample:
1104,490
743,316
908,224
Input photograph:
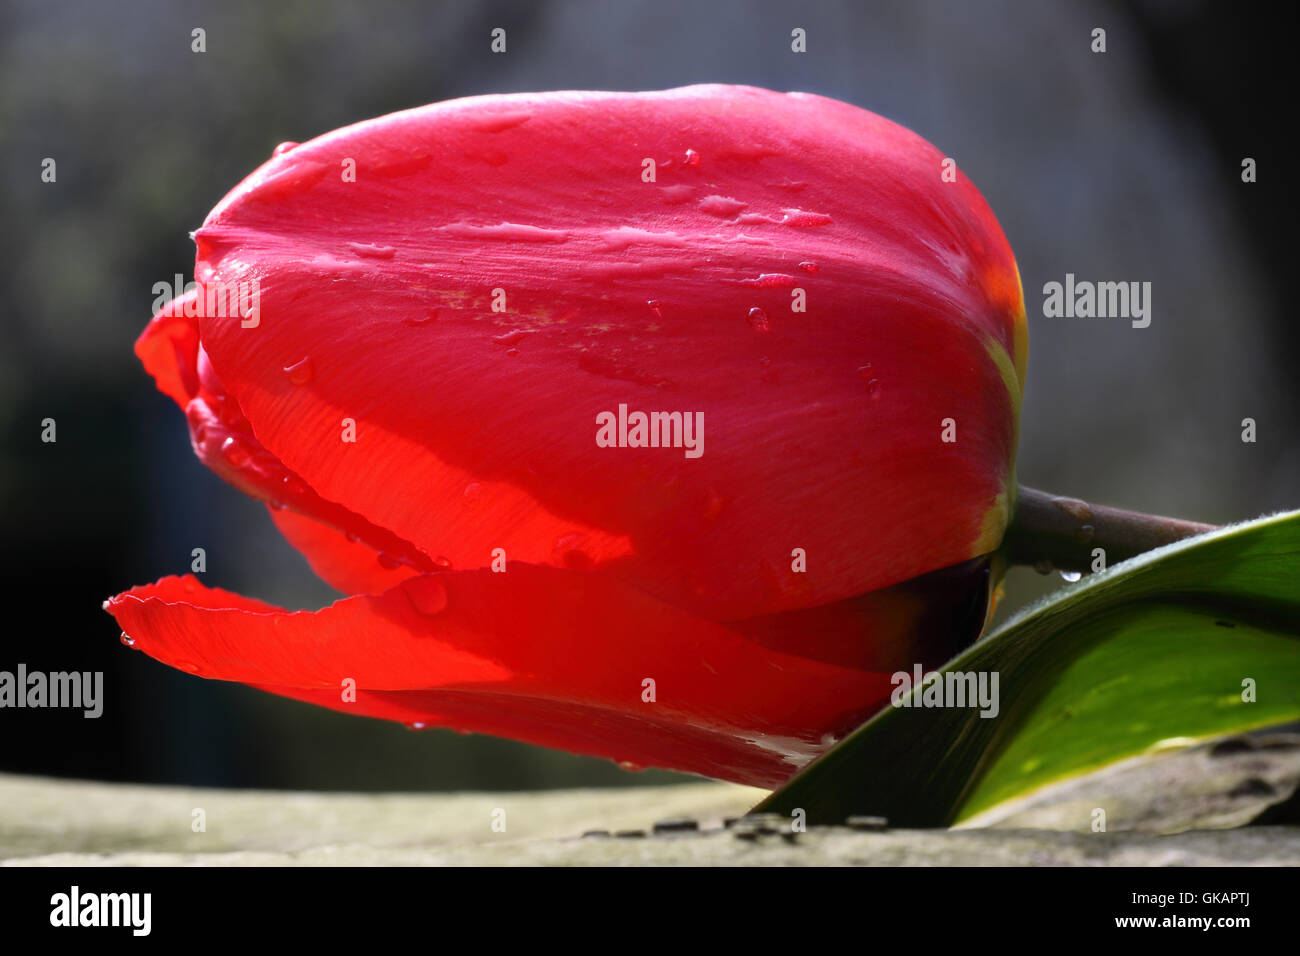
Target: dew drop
473,494
803,219
511,337
188,666
692,158
283,148
772,280
430,315
1071,576
416,725
427,594
809,266
442,562
127,639
568,550
300,372
724,207
631,766
388,561
758,320
235,454
656,307
371,250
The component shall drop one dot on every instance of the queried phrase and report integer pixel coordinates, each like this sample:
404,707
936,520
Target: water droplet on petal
473,494
758,320
416,725
631,766
803,219
692,158
370,250
655,307
868,374
283,148
1071,576
235,454
568,551
388,561
772,280
442,562
809,266
127,639
188,666
427,594
300,372
724,207
430,315
511,337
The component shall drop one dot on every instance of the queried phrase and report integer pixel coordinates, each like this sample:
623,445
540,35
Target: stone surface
71,823
1223,783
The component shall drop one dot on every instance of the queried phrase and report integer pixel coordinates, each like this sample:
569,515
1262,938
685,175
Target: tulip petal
347,551
169,348
549,656
476,429
348,565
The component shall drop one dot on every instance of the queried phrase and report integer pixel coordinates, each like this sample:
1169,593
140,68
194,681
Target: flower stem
1049,531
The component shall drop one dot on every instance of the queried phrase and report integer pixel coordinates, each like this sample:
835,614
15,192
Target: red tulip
499,276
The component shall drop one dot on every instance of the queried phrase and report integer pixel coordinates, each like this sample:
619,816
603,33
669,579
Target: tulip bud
733,355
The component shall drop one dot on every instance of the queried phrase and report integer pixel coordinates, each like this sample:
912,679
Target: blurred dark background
1122,166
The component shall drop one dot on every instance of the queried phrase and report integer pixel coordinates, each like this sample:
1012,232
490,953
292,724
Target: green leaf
1148,654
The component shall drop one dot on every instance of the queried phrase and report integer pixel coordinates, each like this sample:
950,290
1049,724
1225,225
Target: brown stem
1049,531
